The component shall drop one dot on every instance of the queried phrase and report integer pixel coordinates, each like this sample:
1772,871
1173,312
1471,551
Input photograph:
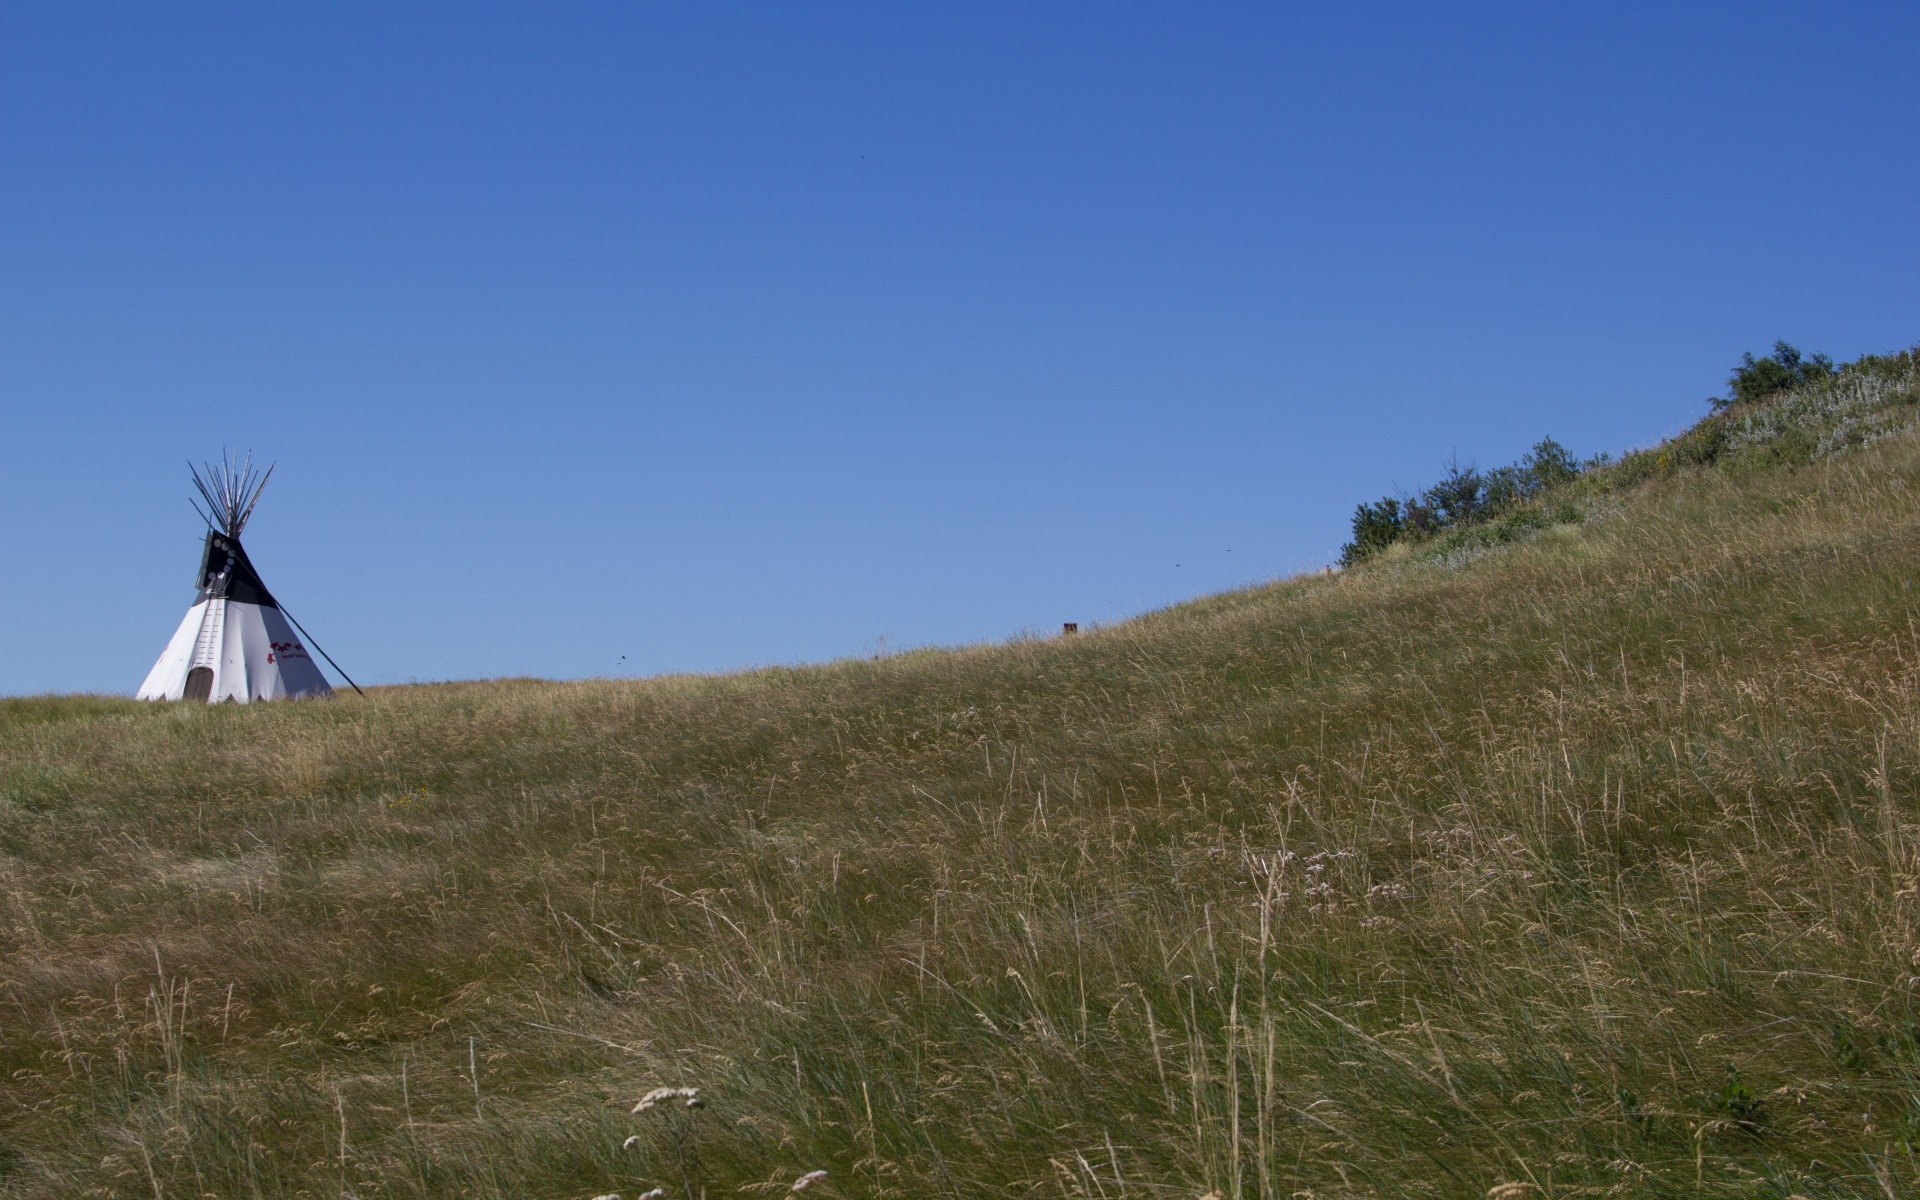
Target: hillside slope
1585,865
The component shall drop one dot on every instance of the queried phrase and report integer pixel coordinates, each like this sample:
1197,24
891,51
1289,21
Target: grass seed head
659,1096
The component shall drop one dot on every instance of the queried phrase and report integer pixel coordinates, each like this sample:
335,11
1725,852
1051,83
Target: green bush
1899,365
1545,467
1375,526
1463,498
1786,409
1458,498
1756,379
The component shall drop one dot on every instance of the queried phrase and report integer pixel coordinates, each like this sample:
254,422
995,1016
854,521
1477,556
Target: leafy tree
1375,526
1758,378
1464,496
1458,497
1421,519
1505,487
1547,466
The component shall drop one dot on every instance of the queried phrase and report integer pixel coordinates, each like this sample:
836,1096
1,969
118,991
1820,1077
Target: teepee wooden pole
323,653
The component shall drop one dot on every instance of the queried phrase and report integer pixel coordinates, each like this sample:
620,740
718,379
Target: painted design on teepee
235,642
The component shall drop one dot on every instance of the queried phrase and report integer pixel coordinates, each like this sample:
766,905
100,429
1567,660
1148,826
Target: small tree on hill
1548,465
1545,467
1375,526
1758,378
1458,497
1463,497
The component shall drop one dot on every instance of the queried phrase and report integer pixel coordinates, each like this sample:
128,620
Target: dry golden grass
1590,866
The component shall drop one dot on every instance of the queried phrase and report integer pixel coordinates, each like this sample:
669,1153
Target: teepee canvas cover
235,643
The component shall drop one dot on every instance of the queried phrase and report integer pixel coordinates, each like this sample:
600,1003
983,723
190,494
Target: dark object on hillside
1758,378
1070,627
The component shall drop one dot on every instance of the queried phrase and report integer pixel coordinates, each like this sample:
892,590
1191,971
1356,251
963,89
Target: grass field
1579,863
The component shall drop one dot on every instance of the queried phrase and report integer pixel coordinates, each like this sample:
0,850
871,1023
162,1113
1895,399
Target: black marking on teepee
225,572
230,490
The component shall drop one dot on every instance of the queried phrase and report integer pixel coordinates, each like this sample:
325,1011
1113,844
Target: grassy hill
1551,857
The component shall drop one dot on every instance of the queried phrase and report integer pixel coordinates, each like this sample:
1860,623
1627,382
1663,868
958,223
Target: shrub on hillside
1756,379
1866,402
1785,409
1829,412
1900,365
1463,497
1540,470
1375,527
1458,498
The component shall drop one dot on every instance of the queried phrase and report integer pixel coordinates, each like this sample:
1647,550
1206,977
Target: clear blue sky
715,336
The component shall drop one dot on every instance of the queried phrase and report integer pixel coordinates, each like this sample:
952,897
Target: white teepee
235,643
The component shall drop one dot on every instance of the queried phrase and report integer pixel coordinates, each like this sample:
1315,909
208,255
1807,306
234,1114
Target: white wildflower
808,1180
630,1142
655,1194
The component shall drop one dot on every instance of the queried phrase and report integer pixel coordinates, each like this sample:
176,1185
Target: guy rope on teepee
237,642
